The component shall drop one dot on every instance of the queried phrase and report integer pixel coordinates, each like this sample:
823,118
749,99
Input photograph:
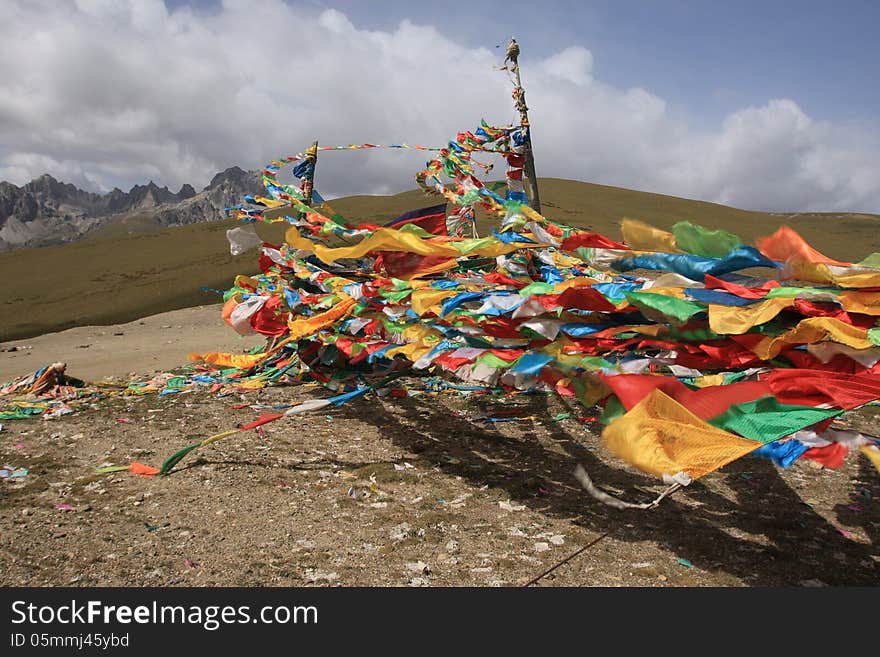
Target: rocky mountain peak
232,176
186,191
48,188
46,211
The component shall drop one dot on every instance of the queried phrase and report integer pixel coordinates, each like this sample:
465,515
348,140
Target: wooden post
519,96
308,181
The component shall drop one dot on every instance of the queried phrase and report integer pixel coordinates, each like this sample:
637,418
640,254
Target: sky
764,105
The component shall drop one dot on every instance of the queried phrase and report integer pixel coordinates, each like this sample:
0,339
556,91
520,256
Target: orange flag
786,244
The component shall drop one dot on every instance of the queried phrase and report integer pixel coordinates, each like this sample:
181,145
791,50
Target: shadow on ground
761,530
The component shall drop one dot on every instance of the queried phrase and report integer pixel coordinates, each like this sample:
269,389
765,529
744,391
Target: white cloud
110,93
572,64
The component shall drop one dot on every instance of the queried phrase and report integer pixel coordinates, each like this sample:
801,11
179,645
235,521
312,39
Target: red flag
431,219
590,240
399,264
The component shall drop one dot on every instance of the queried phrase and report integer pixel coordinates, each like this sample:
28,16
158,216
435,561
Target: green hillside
117,277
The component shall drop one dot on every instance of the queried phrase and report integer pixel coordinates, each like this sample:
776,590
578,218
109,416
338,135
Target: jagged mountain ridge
46,211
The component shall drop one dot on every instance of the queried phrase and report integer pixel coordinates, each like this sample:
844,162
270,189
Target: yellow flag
856,277
390,239
873,454
429,299
736,320
304,326
240,361
661,437
811,330
645,237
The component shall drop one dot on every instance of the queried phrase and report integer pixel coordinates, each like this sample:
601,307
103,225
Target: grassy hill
118,277
132,223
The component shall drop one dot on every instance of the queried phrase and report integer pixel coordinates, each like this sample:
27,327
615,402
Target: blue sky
709,57
762,105
706,57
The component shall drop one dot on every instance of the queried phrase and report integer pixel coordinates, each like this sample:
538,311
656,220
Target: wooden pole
308,183
519,96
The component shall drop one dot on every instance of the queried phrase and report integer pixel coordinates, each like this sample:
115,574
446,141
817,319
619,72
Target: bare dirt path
154,343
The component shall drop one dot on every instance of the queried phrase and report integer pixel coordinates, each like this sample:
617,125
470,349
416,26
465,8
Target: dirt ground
413,491
152,344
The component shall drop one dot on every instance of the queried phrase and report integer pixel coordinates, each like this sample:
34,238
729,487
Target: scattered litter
866,493
134,468
9,472
843,532
190,563
685,563
56,412
400,532
18,446
124,420
318,575
140,468
64,507
458,502
508,506
853,507
542,547
555,539
419,567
